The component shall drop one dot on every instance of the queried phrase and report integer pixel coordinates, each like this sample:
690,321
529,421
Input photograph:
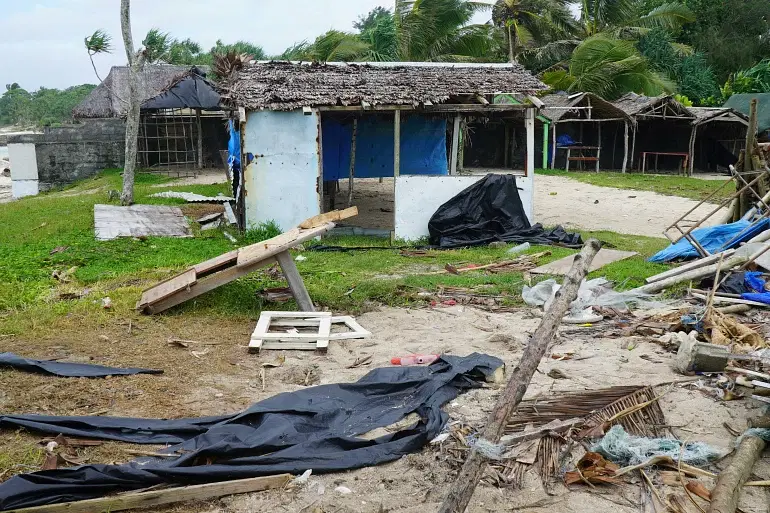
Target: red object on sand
415,359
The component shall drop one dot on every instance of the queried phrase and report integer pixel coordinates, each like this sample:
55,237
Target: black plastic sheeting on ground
491,210
315,428
66,369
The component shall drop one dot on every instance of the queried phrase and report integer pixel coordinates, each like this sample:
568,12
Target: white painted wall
24,177
418,198
282,182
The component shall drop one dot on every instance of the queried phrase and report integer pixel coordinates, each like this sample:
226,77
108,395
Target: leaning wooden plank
216,264
168,288
270,248
461,491
205,285
297,286
166,496
695,264
334,216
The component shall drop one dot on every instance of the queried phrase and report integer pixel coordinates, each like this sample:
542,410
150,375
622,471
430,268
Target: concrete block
23,161
22,188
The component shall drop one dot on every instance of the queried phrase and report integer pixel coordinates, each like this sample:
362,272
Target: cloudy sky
41,42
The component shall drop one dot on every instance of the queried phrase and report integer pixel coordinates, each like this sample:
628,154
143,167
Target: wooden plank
329,217
323,331
603,258
168,288
300,315
207,284
719,299
456,145
166,496
257,253
216,264
297,286
263,324
690,266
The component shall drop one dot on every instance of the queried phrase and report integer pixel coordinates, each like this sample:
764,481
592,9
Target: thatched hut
431,126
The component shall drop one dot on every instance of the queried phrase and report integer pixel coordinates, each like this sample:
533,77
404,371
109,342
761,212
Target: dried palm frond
225,64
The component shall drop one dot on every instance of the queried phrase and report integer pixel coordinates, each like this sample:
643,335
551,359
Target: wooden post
751,136
352,162
633,146
691,157
461,149
569,152
396,143
599,145
462,489
200,137
625,146
727,491
546,127
456,145
529,122
553,146
296,284
507,146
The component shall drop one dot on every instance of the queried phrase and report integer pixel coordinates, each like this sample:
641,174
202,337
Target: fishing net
624,449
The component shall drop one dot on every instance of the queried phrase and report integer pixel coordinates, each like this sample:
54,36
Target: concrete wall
282,182
66,154
418,198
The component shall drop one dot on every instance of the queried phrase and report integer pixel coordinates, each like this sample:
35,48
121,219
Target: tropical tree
98,42
608,67
378,30
629,18
530,23
239,47
135,65
156,46
440,30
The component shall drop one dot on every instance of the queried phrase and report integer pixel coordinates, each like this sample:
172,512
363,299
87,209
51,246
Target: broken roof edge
704,115
558,104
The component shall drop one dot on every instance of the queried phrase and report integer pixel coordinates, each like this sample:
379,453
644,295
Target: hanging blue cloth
234,147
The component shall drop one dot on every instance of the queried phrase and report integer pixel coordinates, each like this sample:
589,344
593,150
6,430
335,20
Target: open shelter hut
664,132
719,137
594,128
182,124
432,127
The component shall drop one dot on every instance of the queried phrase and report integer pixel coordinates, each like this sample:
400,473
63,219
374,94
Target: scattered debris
106,303
58,249
111,221
192,197
276,294
592,469
416,359
66,369
316,334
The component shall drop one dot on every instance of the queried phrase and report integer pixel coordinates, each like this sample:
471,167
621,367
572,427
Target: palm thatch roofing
557,107
109,99
291,85
705,115
636,105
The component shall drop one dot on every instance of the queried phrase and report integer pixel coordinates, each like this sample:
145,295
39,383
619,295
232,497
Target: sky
41,42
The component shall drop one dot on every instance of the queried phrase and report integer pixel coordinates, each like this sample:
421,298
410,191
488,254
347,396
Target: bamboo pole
695,274
462,489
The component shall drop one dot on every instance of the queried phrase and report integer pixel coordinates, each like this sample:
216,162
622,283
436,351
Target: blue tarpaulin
713,239
756,284
423,147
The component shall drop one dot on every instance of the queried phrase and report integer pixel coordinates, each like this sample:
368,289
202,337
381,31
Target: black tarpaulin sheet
491,210
315,428
66,369
191,92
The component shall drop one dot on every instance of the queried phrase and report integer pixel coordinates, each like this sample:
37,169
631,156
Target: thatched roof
109,98
638,105
288,86
556,107
708,114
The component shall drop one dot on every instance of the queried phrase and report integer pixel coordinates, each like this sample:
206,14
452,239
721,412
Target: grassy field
351,281
685,187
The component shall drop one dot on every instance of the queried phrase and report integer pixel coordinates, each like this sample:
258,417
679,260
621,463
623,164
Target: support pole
396,143
546,126
599,145
294,279
456,144
352,162
553,146
200,137
633,147
625,146
691,158
462,489
529,123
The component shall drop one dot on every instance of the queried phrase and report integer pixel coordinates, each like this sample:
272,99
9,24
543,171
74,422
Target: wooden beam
552,151
165,496
529,123
691,151
599,146
294,279
455,145
329,217
200,137
625,147
396,144
352,170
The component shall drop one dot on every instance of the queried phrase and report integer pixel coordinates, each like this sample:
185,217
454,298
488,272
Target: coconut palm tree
529,23
627,19
609,68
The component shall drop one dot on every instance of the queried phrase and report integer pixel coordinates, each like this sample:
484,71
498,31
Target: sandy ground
573,204
417,483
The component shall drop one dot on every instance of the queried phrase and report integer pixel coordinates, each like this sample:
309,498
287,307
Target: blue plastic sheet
755,283
423,147
713,239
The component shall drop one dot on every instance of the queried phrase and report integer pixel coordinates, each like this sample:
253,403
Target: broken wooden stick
727,491
461,491
694,274
165,496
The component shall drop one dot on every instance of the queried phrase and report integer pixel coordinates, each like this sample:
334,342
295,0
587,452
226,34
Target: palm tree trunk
511,44
132,118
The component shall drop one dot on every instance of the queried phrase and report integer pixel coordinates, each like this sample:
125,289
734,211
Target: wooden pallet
232,265
289,338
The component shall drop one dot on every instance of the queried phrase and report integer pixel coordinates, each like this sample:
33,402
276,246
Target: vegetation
43,107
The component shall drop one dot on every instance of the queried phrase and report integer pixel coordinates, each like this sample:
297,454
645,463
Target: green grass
351,281
685,187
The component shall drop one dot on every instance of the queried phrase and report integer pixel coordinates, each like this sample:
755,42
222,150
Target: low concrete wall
66,154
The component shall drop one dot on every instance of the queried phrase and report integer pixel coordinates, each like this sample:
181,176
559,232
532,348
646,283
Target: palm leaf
670,15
